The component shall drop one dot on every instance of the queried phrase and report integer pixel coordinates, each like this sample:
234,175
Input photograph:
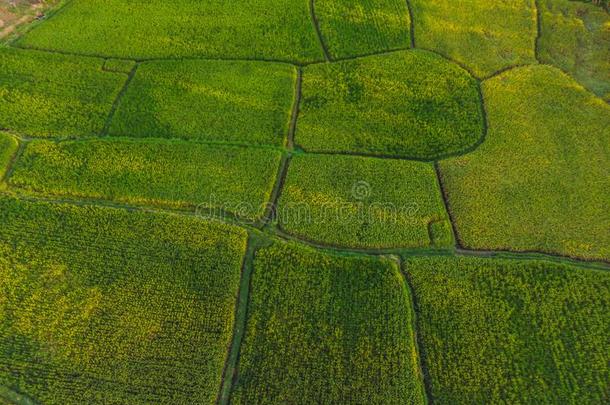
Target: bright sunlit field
304,202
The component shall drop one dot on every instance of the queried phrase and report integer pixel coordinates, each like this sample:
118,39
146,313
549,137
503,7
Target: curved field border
62,6
266,230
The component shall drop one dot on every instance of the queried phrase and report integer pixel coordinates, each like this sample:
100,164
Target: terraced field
305,201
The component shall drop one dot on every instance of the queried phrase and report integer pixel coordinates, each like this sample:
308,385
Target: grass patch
362,202
540,181
157,172
575,38
484,36
47,95
327,329
8,148
272,29
358,27
411,103
238,102
111,306
508,331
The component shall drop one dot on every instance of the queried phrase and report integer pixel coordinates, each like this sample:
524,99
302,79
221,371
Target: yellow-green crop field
304,202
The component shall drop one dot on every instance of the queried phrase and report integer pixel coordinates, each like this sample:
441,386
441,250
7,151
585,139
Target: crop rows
511,331
237,102
483,36
48,95
196,105
262,29
360,27
151,172
540,180
327,329
412,104
110,306
363,202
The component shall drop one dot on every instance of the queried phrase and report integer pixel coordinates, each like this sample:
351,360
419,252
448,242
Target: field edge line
445,198
12,164
316,25
298,91
239,326
271,209
411,23
538,30
117,100
422,367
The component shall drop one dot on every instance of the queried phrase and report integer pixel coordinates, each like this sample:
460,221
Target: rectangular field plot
364,203
45,94
8,148
509,331
575,37
411,104
540,180
327,329
152,172
484,36
222,101
357,27
256,29
105,306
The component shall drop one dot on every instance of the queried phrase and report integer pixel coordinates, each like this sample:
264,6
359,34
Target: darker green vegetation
254,29
327,329
411,103
356,27
104,306
237,102
509,331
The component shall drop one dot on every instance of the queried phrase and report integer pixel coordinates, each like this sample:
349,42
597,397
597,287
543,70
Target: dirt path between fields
16,13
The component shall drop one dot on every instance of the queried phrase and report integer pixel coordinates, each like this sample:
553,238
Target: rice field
269,29
575,38
351,28
232,102
412,104
328,329
499,330
526,187
359,202
107,306
152,172
304,201
482,36
51,95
